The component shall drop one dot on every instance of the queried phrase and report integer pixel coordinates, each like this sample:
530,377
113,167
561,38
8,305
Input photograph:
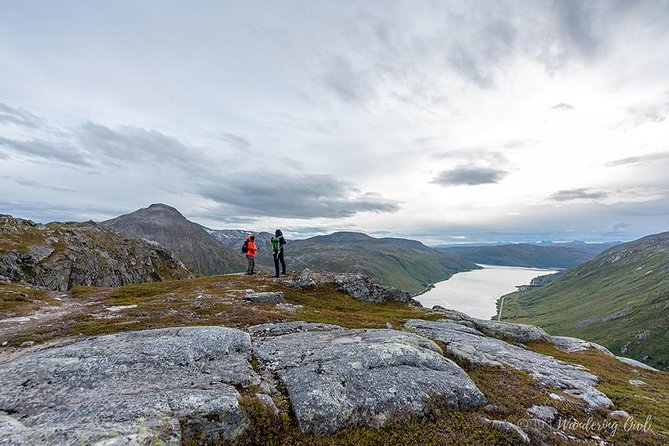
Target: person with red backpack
250,250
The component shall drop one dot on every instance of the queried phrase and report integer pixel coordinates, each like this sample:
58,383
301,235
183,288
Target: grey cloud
470,176
43,212
562,106
642,114
466,64
20,117
619,227
477,58
576,22
305,197
51,150
578,194
38,185
349,84
236,140
292,163
642,159
128,143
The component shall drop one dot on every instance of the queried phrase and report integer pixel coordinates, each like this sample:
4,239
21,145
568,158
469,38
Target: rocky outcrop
634,363
339,377
149,387
495,329
358,286
59,256
471,346
573,345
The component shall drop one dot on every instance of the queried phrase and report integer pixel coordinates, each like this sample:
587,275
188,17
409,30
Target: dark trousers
252,264
278,257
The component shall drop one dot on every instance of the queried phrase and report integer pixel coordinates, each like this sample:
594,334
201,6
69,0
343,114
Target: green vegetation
619,300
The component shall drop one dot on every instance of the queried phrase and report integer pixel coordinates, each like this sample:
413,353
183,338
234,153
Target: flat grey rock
637,364
495,329
477,349
281,328
572,345
144,387
509,428
263,297
339,377
544,413
618,415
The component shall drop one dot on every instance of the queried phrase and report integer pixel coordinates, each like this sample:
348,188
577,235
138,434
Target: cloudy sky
445,121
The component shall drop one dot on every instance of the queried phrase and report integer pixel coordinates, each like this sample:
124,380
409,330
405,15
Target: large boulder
471,346
144,387
339,377
358,286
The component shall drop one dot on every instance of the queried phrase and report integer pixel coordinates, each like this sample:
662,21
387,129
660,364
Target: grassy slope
216,300
401,263
576,304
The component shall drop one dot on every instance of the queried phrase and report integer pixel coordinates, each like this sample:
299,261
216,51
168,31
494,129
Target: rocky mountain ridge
59,256
189,241
557,255
401,263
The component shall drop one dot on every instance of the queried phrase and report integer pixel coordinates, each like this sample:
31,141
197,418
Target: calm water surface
475,292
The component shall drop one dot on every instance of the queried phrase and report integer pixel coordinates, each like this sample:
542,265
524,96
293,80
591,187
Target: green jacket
277,243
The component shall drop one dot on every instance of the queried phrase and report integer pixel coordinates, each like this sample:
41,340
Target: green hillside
562,255
620,299
402,263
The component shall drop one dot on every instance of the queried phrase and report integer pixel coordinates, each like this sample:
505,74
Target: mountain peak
163,207
344,236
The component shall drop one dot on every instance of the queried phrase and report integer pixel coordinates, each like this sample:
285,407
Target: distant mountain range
191,242
59,256
619,299
405,264
402,263
544,255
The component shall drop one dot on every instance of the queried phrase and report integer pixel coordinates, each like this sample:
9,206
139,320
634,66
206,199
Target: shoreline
480,295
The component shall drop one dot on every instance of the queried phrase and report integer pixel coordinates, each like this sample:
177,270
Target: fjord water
476,292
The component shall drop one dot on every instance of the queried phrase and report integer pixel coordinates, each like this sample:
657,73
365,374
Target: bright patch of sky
444,121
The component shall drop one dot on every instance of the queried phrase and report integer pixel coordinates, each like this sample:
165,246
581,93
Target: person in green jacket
277,252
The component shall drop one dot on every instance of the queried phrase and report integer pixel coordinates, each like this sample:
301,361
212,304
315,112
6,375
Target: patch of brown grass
18,300
440,426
